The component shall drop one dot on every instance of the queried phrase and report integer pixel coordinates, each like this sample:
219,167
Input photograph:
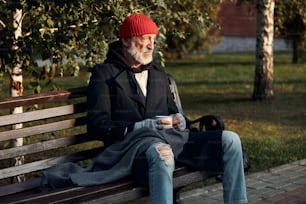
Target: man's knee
231,139
164,152
230,136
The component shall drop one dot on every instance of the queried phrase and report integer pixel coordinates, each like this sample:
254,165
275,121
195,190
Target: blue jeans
160,176
234,188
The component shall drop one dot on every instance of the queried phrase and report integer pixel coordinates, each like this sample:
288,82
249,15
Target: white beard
137,54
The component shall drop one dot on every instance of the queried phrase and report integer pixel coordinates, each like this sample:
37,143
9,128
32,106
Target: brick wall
237,20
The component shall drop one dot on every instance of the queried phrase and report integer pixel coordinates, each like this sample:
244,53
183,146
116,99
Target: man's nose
150,45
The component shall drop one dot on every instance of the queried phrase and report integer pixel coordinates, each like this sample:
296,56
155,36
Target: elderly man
125,95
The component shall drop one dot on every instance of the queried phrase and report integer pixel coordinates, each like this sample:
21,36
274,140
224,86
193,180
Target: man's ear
126,42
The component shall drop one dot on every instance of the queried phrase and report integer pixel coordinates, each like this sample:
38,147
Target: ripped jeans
161,167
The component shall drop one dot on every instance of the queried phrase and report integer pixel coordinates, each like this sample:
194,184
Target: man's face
141,48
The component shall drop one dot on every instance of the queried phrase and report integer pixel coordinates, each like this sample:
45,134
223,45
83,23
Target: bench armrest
207,122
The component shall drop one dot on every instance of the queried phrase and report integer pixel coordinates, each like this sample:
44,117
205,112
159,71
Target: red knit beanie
136,25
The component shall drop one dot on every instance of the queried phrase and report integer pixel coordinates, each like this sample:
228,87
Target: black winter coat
116,102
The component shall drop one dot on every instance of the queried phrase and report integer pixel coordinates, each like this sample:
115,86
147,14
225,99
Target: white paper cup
167,118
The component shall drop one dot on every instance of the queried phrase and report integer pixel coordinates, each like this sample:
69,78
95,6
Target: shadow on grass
285,108
208,65
213,99
222,63
234,82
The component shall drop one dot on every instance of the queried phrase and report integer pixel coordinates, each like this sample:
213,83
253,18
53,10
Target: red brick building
238,28
237,20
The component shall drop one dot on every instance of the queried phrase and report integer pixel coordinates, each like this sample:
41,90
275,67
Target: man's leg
161,166
234,187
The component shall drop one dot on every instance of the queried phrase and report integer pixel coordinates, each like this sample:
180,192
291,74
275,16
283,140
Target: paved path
285,184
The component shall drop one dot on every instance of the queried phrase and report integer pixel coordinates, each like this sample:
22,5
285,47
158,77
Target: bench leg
176,196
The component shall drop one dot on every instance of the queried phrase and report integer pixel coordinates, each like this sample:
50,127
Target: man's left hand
179,122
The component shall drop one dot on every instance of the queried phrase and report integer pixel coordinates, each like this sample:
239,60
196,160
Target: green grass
273,132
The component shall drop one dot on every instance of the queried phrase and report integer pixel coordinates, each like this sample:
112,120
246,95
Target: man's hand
153,124
179,121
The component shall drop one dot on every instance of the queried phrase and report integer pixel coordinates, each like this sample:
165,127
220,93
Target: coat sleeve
99,123
172,107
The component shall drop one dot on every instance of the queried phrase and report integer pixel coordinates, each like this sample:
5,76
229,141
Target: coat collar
128,83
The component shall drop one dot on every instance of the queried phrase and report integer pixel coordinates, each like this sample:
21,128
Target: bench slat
61,95
118,197
19,187
189,177
40,129
43,146
116,192
46,163
75,193
42,114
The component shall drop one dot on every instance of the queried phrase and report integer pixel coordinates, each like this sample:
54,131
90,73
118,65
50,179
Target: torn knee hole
166,154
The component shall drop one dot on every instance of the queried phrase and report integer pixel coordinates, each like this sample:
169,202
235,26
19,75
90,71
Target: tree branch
3,24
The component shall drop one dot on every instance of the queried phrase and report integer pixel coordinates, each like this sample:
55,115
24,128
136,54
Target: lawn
273,132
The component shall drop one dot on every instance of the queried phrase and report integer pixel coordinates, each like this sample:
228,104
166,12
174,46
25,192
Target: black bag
213,122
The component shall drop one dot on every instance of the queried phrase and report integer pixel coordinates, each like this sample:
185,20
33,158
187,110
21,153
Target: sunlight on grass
272,144
273,131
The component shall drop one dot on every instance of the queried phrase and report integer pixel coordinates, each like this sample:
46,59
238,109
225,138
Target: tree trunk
17,88
263,86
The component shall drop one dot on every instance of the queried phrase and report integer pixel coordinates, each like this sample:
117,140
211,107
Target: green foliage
287,9
8,55
290,22
67,30
191,28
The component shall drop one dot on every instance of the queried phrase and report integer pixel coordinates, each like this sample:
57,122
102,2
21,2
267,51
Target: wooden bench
54,131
